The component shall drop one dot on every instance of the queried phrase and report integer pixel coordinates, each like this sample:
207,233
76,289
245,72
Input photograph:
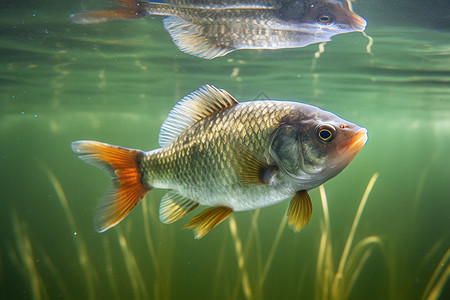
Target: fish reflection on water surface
213,28
229,156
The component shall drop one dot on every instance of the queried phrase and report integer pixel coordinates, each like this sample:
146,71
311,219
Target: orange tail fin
126,189
129,9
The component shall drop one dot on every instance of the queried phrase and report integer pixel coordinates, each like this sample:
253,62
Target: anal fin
208,219
175,206
299,211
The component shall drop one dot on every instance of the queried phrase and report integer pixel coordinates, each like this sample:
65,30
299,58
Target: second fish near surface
212,28
228,156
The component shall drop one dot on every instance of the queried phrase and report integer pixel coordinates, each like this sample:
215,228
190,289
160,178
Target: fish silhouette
213,28
228,156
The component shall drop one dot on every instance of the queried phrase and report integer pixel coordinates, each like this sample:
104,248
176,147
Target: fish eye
325,19
325,133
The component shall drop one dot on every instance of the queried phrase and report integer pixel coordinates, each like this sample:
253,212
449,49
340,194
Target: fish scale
221,141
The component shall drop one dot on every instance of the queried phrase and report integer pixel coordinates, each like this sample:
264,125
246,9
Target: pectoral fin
191,39
208,219
299,211
251,169
175,206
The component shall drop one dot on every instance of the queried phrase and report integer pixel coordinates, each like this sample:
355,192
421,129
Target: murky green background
116,82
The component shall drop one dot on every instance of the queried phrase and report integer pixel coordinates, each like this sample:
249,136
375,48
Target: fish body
210,29
211,150
229,156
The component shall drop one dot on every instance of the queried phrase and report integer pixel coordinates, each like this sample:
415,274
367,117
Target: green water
116,82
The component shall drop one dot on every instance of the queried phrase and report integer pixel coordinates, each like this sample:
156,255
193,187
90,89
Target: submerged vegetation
332,283
241,273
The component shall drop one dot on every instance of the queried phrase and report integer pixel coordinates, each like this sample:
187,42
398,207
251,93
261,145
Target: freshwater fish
228,156
213,28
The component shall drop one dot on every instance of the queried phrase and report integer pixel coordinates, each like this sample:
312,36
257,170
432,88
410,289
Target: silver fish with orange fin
213,28
229,156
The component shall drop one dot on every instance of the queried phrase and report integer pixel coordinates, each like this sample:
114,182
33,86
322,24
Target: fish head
312,145
323,17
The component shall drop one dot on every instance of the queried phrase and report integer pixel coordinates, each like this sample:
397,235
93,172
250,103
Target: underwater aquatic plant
439,278
331,283
337,283
125,274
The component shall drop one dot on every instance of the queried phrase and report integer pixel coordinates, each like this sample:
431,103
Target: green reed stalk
218,282
253,234
275,243
345,254
168,247
258,246
439,278
241,260
109,269
245,250
325,265
83,258
26,258
330,284
162,282
357,259
132,267
56,275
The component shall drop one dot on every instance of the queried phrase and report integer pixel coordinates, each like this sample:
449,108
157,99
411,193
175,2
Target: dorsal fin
196,106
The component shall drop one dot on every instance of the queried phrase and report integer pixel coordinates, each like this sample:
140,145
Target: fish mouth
353,144
357,141
358,23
